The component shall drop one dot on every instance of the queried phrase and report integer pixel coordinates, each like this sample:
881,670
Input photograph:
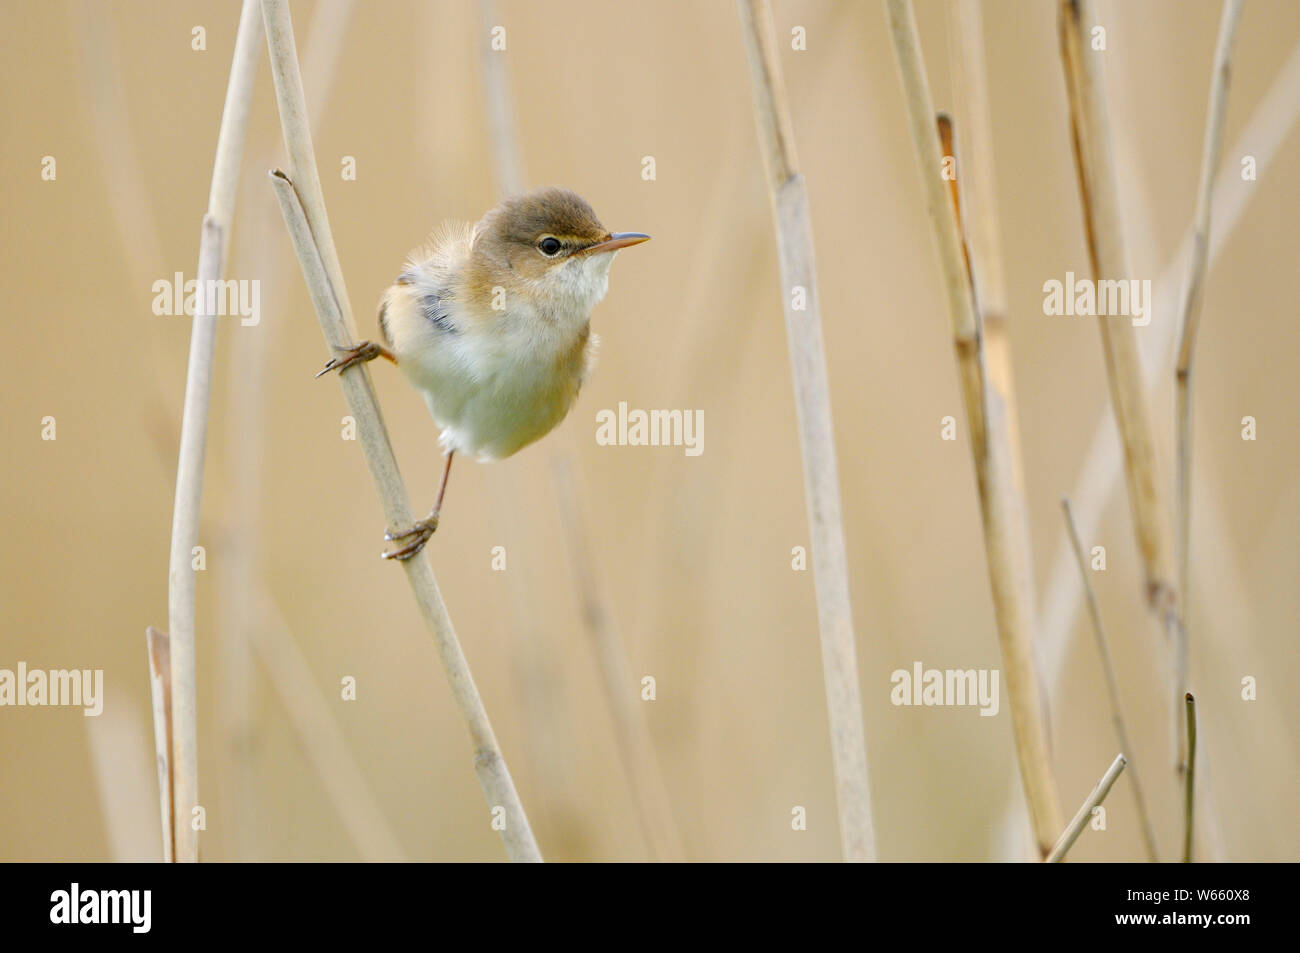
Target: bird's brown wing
429,300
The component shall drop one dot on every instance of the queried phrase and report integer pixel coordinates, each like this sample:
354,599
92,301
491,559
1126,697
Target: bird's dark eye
549,246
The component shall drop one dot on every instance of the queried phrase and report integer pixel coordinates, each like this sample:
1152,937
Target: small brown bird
492,325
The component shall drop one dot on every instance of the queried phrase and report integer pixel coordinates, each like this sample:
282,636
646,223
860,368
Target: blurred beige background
695,552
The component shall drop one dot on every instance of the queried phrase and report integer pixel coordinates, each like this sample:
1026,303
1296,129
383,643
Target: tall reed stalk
979,217
214,240
1193,295
1103,226
1103,222
1006,545
816,434
303,205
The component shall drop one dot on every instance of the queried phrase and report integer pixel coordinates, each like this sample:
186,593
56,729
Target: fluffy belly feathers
492,408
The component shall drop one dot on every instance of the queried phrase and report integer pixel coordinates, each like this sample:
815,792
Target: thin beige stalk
1080,820
194,426
1192,293
635,744
979,217
1189,780
1112,683
1005,543
1103,227
975,198
493,775
160,693
308,223
181,575
816,434
1103,223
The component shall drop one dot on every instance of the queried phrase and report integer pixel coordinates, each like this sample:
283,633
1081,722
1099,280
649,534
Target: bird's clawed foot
418,535
365,351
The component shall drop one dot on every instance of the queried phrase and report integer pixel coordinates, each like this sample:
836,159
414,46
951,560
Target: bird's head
549,245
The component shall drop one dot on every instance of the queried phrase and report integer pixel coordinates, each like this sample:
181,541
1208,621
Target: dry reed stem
1005,542
313,242
185,533
1189,780
160,693
494,777
1192,294
976,202
194,424
1080,820
1103,224
980,220
794,237
1112,684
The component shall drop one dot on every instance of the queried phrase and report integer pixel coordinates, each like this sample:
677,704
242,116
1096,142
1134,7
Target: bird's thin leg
419,533
442,484
365,351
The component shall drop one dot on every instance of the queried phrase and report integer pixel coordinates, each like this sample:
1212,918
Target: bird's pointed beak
616,241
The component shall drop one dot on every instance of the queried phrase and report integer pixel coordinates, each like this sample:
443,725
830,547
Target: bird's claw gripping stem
418,535
363,352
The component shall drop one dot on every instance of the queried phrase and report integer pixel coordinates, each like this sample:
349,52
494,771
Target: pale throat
567,292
